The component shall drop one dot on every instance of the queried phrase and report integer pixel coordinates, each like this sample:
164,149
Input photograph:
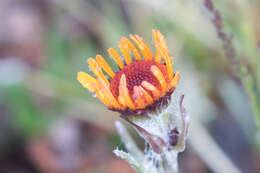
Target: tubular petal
158,57
132,48
86,80
152,88
145,95
122,101
162,48
123,91
114,54
167,58
158,37
147,49
102,62
96,69
105,89
126,51
142,46
159,76
175,80
102,97
155,36
139,100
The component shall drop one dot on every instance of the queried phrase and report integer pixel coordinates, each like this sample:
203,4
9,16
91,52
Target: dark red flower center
136,73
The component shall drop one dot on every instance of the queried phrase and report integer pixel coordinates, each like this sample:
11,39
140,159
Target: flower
141,84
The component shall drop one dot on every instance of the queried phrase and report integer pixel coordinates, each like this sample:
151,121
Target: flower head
144,81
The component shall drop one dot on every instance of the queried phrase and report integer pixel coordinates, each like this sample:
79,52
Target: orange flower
143,82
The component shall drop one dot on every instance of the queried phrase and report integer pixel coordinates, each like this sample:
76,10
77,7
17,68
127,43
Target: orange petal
175,80
105,89
158,37
125,51
132,47
142,46
123,91
86,80
167,58
96,69
152,88
145,95
159,76
162,50
122,101
101,95
102,62
115,55
139,100
158,57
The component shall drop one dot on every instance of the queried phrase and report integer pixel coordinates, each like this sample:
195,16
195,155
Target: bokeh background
50,124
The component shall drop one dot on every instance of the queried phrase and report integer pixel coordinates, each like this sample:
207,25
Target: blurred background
50,124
